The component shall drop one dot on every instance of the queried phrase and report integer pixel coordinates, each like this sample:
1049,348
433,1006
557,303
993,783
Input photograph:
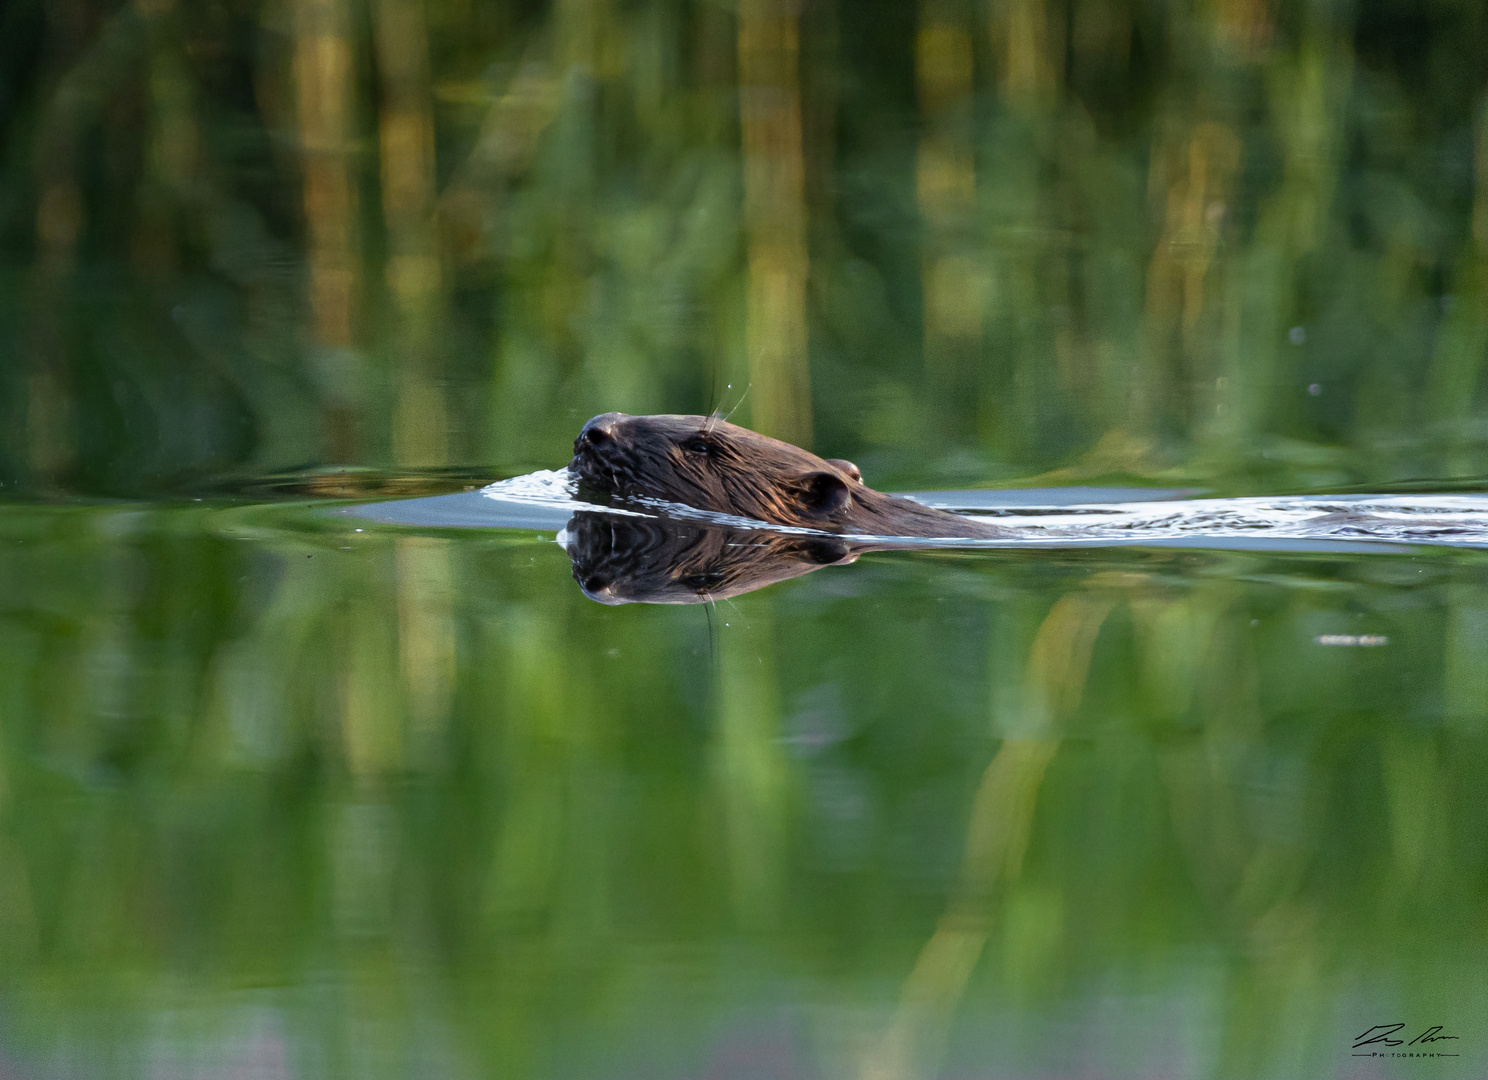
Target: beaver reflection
634,560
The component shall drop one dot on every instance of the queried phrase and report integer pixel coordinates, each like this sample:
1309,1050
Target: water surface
289,793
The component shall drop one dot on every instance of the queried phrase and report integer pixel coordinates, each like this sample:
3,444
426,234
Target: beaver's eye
697,445
702,581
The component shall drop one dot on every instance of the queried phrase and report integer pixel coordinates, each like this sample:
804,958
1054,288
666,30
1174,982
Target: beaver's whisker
742,396
708,611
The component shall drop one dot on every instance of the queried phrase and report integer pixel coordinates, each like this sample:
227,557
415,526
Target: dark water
292,793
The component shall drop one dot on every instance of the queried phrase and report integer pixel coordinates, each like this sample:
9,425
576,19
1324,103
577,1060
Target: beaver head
709,464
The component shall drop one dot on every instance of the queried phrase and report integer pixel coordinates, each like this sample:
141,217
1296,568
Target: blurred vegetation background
961,242
282,798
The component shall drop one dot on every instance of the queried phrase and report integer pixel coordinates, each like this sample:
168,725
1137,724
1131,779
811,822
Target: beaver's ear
824,493
843,465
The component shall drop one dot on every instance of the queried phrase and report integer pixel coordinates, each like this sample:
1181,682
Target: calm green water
279,797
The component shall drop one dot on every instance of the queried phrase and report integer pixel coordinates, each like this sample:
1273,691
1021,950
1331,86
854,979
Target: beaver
707,463
627,560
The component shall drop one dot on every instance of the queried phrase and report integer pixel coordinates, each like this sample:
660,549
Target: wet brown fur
706,463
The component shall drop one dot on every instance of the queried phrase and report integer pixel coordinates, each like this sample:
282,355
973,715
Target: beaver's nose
600,430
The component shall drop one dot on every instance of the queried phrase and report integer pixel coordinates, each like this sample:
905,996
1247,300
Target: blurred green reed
1240,242
377,803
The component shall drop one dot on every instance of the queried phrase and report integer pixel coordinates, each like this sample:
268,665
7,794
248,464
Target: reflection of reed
184,773
775,218
323,74
996,839
426,640
752,771
373,725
